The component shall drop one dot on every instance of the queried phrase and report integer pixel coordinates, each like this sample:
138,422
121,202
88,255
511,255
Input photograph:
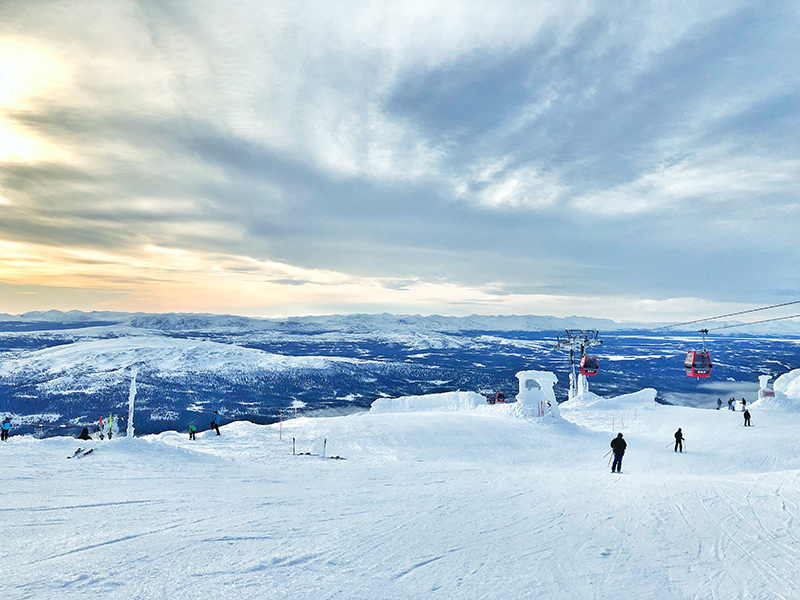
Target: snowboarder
618,445
747,418
678,440
719,403
215,422
5,428
192,431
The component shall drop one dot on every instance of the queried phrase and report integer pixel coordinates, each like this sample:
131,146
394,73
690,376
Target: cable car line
742,312
755,322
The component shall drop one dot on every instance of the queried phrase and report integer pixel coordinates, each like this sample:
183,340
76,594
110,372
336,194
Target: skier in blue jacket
5,428
215,422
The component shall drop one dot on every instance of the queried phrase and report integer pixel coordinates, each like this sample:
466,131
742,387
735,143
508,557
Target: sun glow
29,75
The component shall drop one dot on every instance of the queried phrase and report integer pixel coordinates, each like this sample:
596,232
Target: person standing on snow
618,445
678,440
215,422
4,429
744,403
719,403
747,418
192,431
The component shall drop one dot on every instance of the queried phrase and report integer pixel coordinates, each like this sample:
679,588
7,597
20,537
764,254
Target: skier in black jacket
618,445
678,440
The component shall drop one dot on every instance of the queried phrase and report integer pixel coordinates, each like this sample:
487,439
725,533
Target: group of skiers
731,404
105,429
214,426
618,444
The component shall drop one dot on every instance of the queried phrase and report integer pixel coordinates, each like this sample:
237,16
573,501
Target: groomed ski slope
439,501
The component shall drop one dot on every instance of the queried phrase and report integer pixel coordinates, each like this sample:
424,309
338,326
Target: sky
625,160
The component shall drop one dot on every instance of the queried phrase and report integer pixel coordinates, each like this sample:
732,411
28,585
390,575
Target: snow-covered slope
172,356
438,503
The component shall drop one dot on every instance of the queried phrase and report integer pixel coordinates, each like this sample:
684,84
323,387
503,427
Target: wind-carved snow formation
536,394
786,394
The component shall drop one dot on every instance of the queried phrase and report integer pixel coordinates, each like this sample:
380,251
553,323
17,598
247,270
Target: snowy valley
60,372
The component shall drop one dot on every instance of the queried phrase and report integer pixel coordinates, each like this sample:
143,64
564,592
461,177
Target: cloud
559,149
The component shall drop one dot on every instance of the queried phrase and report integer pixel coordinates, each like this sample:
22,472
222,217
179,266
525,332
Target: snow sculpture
535,393
763,390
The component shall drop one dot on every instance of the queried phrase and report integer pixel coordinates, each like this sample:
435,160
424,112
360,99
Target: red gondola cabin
589,365
495,398
698,364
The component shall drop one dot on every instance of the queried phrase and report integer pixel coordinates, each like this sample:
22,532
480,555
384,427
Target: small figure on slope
192,431
215,422
747,418
719,403
744,403
618,445
5,428
679,440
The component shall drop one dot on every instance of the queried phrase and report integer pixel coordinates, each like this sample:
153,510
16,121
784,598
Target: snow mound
589,400
444,402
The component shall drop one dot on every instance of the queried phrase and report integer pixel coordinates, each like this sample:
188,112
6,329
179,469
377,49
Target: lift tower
577,340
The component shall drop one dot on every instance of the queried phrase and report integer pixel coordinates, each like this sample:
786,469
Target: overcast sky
628,160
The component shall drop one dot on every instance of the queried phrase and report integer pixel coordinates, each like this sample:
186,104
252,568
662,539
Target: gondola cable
742,312
755,322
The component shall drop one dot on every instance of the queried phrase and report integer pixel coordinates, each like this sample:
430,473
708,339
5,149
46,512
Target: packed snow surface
454,500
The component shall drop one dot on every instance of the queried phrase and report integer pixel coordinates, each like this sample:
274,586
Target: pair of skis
81,452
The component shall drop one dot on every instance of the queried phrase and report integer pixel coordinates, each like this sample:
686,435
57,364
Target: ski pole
607,453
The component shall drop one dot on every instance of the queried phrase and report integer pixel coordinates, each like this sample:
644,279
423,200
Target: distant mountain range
365,323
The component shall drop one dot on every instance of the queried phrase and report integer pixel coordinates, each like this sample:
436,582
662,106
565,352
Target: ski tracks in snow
747,547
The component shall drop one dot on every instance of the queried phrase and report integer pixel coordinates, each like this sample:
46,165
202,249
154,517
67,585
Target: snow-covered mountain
369,323
72,368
